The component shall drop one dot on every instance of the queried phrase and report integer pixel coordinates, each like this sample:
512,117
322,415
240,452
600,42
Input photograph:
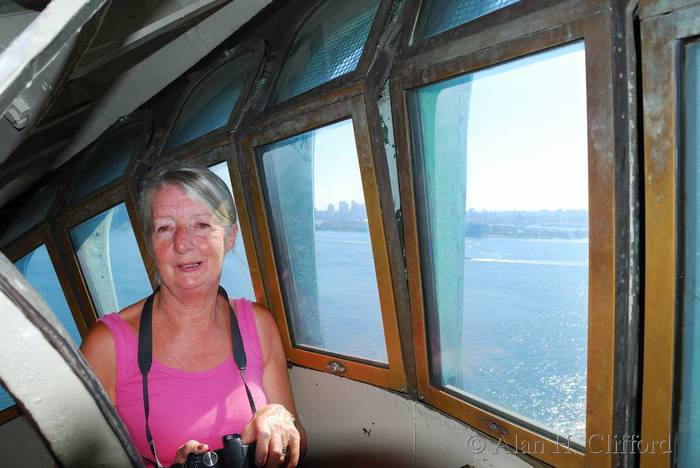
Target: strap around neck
145,356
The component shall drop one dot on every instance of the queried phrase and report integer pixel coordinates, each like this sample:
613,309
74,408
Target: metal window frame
665,27
473,27
257,47
331,91
353,107
558,25
93,206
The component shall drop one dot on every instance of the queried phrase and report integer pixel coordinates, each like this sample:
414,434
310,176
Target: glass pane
5,399
319,225
437,16
689,414
502,196
109,160
235,275
37,268
327,46
209,106
110,260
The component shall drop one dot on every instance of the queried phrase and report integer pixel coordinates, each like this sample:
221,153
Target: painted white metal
38,45
355,424
52,391
146,78
150,32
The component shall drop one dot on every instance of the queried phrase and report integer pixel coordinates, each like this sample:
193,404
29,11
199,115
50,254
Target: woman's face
188,242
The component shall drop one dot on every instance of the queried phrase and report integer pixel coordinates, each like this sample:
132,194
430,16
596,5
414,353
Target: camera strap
145,356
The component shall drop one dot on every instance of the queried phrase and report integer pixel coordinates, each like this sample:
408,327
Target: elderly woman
194,392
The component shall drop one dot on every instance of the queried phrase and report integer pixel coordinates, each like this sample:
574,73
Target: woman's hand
275,435
191,446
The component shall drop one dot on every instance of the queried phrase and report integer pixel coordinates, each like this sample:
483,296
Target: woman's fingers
191,446
293,448
276,452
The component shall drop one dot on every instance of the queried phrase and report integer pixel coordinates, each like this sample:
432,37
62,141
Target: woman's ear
231,237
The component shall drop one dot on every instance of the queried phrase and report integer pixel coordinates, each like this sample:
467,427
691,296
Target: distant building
343,207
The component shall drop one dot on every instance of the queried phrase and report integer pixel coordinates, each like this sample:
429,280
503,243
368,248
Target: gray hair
199,183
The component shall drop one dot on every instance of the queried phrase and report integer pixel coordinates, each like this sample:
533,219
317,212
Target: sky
526,139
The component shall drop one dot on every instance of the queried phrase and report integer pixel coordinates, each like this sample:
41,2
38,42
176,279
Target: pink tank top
202,406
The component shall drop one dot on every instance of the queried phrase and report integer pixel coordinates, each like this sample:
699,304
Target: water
524,326
524,329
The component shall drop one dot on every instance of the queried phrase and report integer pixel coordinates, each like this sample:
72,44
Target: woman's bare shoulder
99,340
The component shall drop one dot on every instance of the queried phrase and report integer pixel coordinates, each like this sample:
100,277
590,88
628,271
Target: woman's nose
182,241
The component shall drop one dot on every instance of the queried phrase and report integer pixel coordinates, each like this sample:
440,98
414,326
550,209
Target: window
502,173
328,45
670,405
689,411
316,205
438,16
214,98
110,156
235,274
37,268
110,260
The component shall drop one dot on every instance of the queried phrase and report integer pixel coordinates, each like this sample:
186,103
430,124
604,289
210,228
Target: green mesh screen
437,16
327,46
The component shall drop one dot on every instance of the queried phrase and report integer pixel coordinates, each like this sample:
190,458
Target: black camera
235,454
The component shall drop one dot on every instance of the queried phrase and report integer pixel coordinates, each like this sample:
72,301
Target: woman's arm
275,426
98,349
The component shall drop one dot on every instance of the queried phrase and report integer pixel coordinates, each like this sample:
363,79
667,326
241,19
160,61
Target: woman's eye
163,229
202,226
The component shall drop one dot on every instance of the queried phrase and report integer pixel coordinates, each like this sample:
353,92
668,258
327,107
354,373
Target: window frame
548,28
331,91
97,203
473,27
664,31
393,375
23,246
257,47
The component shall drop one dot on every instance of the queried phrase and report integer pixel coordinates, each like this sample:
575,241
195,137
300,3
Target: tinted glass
327,46
316,207
235,275
502,199
37,268
209,106
110,260
689,414
109,160
5,399
437,16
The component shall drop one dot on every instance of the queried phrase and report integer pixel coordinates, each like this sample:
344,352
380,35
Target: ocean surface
523,329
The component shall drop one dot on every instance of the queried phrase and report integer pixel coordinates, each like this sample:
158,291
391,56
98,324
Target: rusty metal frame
353,108
257,46
662,39
20,248
563,24
96,204
477,25
329,92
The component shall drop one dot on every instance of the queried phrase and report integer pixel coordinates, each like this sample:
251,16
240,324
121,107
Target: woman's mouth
188,267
